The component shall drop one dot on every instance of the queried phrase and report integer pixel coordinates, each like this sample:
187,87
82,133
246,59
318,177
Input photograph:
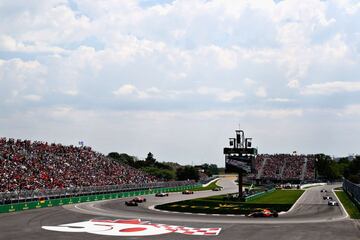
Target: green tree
164,174
150,160
326,167
187,173
352,172
123,158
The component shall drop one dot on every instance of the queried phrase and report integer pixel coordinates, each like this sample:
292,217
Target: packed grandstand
288,167
34,165
27,165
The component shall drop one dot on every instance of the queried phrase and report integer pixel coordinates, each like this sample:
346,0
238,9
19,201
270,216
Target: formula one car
139,199
217,189
327,197
187,192
161,194
333,203
323,190
264,213
131,203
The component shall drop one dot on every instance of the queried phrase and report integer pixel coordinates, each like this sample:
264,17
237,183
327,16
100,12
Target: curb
207,184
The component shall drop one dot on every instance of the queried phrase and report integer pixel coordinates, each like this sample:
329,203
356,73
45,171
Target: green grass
279,197
211,186
279,200
349,205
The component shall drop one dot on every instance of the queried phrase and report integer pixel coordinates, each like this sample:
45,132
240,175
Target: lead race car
264,213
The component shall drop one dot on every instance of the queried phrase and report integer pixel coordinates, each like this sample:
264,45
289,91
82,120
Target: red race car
264,213
139,199
131,203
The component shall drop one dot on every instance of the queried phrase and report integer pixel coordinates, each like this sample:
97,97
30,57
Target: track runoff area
309,218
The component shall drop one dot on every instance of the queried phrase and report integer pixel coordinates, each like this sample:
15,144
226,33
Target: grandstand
284,167
27,165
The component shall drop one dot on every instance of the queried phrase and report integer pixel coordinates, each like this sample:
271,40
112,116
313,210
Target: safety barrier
353,190
8,208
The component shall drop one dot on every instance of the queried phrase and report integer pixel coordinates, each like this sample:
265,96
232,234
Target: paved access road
310,218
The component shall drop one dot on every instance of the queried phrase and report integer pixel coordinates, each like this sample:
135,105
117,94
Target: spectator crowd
26,165
285,166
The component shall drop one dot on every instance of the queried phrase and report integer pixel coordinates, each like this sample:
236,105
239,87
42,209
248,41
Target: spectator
27,165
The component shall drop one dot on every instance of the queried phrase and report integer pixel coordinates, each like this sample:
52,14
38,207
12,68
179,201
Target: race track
310,218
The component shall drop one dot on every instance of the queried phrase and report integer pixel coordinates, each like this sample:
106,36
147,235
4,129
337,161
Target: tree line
165,170
330,169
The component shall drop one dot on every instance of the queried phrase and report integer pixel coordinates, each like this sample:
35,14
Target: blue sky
177,77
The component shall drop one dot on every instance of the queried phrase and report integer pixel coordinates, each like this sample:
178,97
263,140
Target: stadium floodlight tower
240,157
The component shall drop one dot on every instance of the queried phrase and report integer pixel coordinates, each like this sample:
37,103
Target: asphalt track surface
310,218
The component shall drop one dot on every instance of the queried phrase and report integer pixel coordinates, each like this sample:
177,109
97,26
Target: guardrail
33,195
353,190
42,203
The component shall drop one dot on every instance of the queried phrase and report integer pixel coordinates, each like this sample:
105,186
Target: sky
176,78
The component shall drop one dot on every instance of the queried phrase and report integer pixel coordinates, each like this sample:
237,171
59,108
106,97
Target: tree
352,172
210,170
163,174
123,158
150,160
187,173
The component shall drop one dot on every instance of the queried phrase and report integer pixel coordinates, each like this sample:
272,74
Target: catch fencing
49,202
353,190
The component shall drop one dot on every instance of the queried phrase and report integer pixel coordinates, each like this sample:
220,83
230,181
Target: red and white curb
133,228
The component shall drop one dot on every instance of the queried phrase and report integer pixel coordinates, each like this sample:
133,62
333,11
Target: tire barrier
42,203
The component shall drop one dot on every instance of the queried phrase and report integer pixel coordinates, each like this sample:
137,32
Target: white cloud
328,88
7,43
280,100
34,98
350,7
259,113
131,90
188,58
21,78
261,92
126,89
221,94
294,83
351,110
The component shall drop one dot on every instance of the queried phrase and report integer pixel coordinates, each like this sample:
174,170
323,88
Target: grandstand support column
240,183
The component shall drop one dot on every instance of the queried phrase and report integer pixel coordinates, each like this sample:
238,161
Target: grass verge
279,197
349,205
279,200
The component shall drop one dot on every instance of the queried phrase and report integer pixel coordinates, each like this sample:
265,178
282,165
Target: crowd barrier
42,203
352,190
